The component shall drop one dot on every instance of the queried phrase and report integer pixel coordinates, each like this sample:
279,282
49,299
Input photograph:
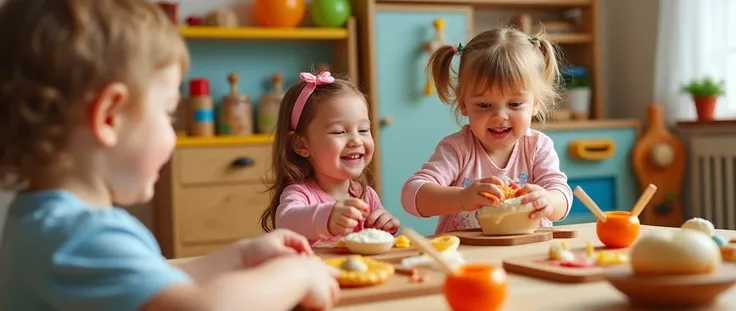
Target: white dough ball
675,252
701,225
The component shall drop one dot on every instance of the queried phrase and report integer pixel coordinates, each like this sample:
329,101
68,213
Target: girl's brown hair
287,167
56,56
505,58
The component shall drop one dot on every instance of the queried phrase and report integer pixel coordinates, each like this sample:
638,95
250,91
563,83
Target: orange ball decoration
279,13
476,287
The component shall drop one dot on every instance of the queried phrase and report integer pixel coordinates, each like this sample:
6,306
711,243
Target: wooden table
534,294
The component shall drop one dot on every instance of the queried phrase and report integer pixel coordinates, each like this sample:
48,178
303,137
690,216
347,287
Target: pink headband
312,82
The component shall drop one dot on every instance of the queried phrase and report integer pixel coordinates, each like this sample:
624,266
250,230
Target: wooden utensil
589,203
425,246
643,200
659,158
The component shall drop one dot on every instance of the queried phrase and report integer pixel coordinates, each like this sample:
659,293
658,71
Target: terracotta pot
705,107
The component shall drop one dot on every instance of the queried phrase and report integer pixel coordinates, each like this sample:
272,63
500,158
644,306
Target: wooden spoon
590,204
425,246
644,200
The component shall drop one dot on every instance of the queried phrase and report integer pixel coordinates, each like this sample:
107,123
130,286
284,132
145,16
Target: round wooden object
682,291
476,237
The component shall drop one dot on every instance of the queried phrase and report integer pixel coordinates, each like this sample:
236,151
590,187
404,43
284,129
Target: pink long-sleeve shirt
460,159
305,208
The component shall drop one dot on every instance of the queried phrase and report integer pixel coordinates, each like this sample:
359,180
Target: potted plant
577,91
705,93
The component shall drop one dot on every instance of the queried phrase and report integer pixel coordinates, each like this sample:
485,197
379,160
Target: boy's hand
346,215
383,220
538,197
482,192
279,242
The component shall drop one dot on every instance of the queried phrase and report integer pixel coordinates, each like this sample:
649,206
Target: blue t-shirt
58,253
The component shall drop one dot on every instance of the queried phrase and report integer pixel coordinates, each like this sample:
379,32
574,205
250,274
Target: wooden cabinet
210,195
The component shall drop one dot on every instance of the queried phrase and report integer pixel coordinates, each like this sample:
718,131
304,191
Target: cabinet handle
243,162
432,45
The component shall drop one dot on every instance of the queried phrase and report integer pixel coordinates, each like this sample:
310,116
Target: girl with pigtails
504,79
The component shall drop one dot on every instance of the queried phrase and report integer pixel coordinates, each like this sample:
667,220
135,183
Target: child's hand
346,215
538,197
279,242
475,196
383,220
324,291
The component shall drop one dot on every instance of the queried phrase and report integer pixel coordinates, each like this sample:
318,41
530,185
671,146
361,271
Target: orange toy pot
476,287
279,13
620,230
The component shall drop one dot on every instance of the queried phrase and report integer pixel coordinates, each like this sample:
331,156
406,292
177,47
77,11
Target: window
729,100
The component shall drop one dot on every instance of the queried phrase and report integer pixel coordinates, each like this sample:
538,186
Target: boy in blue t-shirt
87,90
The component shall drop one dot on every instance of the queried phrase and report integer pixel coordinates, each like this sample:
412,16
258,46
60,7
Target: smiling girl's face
498,117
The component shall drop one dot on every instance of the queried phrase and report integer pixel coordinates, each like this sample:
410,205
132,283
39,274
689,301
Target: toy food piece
559,252
728,252
453,257
677,252
701,225
402,242
720,240
357,270
445,242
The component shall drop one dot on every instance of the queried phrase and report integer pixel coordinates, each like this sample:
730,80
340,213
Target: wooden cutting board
537,266
398,287
476,237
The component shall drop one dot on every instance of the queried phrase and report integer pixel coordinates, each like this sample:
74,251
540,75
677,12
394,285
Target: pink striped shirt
305,208
460,159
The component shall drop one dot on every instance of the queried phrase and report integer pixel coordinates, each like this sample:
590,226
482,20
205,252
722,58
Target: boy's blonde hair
287,167
505,58
56,56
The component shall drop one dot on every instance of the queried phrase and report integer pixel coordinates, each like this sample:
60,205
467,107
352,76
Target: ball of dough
675,252
701,225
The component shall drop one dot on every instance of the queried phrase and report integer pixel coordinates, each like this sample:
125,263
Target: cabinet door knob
243,162
386,121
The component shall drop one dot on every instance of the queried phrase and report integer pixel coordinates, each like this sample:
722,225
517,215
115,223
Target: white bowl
368,248
508,219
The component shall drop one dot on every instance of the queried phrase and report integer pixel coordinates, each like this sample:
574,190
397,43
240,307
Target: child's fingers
372,217
382,221
490,196
353,213
491,189
492,180
347,223
359,204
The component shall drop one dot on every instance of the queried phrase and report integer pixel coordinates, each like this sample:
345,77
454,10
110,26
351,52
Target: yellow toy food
445,242
402,242
358,271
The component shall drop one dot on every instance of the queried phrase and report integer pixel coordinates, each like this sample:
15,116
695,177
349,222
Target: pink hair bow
312,82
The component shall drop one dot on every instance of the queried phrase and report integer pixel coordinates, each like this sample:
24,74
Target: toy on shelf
222,17
268,109
236,117
279,13
432,45
659,157
201,109
330,13
195,21
617,229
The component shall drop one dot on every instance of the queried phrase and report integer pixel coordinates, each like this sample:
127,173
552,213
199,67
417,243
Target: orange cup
476,287
620,230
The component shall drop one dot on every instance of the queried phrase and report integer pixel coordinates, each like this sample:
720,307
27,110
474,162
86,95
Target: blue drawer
611,182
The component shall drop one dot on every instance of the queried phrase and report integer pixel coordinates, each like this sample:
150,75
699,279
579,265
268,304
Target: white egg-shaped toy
701,225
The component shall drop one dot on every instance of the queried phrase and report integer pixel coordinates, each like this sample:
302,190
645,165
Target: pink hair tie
312,82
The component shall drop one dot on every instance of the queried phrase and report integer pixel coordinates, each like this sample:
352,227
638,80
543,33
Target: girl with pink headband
504,80
322,148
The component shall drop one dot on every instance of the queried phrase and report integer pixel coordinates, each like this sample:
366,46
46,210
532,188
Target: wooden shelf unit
510,3
298,33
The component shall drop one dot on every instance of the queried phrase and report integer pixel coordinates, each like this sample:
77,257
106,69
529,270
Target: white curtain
693,42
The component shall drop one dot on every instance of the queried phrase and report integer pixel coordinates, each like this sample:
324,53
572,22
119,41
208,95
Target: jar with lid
201,109
236,115
268,109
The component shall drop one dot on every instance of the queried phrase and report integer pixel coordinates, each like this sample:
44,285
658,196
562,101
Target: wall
629,32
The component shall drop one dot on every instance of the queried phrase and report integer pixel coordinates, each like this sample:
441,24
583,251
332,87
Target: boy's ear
300,146
463,109
105,114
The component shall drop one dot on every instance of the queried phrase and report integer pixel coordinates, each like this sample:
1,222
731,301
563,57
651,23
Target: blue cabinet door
419,121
